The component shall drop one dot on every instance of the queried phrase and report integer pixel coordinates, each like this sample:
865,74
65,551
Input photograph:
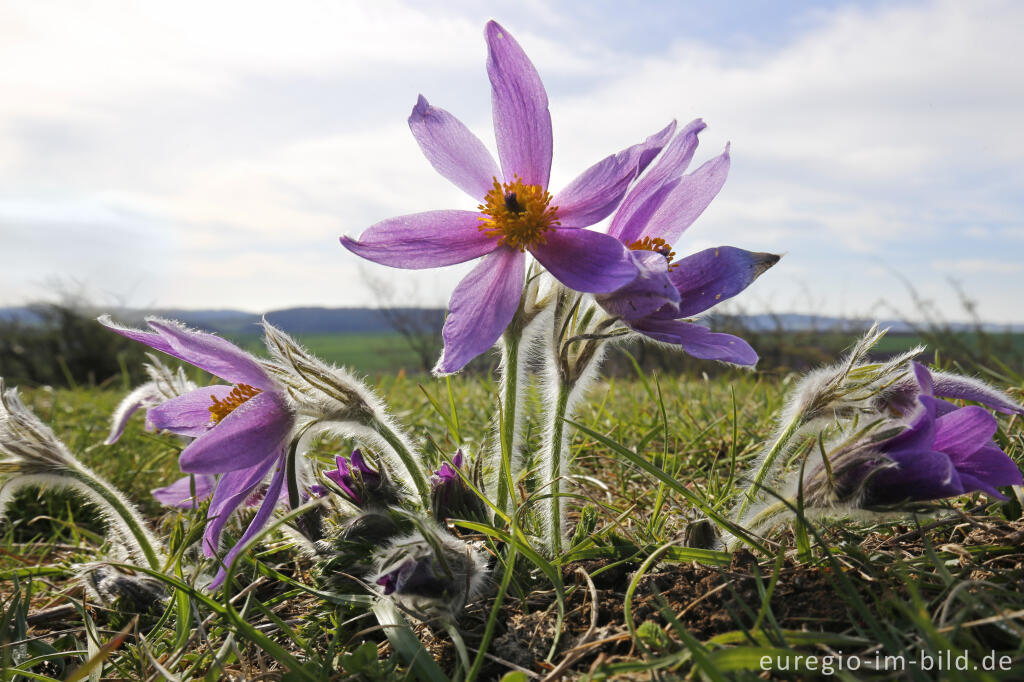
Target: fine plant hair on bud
332,399
31,455
430,573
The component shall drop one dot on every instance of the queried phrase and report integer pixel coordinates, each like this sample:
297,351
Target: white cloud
239,133
978,265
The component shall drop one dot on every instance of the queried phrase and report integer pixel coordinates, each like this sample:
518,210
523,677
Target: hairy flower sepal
517,214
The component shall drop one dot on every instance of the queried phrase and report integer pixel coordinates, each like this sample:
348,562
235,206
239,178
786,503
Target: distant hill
317,320
233,322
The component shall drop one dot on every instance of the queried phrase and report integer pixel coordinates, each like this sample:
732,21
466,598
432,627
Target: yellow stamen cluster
518,214
658,245
238,395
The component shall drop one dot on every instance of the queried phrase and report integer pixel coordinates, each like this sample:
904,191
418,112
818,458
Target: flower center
657,245
239,394
517,214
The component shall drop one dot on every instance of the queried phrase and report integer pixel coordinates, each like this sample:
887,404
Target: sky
209,155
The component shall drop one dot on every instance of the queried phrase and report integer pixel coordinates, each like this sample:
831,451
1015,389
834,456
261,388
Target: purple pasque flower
360,482
451,497
655,213
516,212
945,451
241,430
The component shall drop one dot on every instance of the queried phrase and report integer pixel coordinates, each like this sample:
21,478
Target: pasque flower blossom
945,451
516,212
241,430
451,497
662,204
363,485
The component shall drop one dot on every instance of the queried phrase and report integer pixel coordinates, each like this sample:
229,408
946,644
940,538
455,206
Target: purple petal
458,459
252,432
921,433
481,307
595,193
586,261
522,123
126,408
924,379
708,277
342,477
189,414
687,200
961,433
423,240
342,463
359,463
258,522
233,489
919,475
651,291
698,341
453,151
967,388
179,493
989,466
446,472
151,339
212,353
653,145
652,189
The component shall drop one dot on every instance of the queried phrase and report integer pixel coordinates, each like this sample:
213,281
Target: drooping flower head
430,573
944,451
516,212
652,217
241,430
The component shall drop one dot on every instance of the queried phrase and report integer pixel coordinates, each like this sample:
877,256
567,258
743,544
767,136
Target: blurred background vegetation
62,345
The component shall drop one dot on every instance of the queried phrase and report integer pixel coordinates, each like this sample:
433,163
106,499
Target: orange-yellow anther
238,395
518,214
658,245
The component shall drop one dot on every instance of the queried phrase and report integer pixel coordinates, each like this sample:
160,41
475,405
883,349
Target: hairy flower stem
509,415
556,452
750,494
127,514
398,445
